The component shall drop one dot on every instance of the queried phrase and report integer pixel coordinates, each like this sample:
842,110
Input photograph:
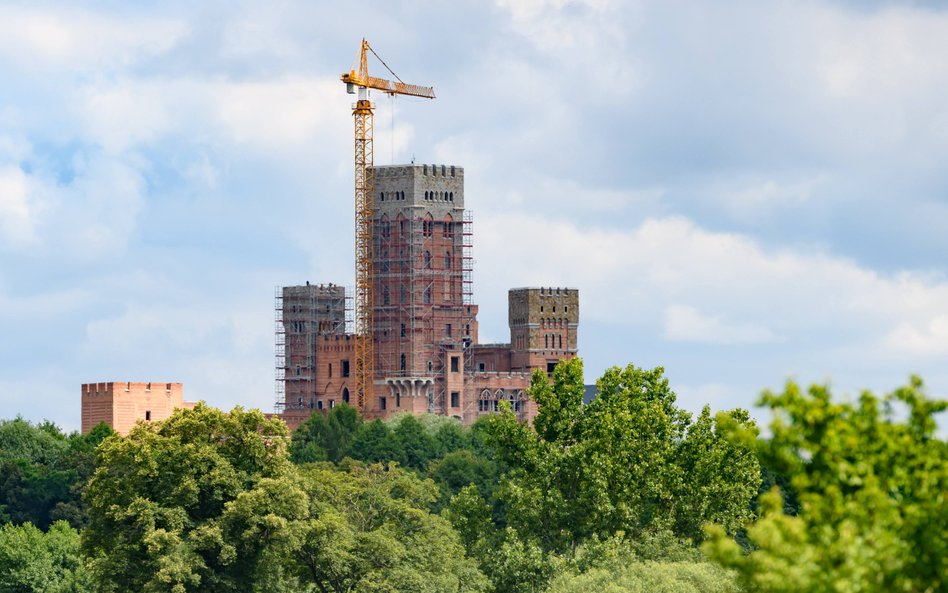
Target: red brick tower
423,309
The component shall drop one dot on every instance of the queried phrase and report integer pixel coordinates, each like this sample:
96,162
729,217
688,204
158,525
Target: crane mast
359,81
364,240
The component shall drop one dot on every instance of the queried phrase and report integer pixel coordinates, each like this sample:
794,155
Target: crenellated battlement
113,387
121,404
436,188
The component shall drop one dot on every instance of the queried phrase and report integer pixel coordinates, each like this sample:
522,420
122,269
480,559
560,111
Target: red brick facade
122,404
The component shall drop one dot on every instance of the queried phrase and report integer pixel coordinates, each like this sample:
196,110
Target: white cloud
755,199
662,275
276,117
687,324
17,215
929,337
80,40
221,348
92,215
282,114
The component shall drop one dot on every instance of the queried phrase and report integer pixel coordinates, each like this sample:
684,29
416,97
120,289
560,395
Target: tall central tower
423,306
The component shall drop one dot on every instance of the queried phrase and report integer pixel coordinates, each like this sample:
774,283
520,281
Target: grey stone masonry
414,190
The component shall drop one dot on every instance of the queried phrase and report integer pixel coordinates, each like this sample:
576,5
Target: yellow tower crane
359,82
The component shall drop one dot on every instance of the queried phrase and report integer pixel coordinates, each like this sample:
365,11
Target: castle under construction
427,357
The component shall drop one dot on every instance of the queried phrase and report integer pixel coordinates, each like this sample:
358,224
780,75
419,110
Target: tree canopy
32,561
872,480
43,472
631,461
615,495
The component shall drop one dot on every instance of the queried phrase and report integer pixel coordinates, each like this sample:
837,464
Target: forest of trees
630,493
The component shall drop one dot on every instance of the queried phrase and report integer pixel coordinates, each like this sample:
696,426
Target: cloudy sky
742,191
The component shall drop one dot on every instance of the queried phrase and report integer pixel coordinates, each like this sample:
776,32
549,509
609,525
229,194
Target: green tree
344,423
327,437
370,530
631,461
413,446
450,437
458,469
871,477
373,443
308,443
719,480
43,472
196,502
649,577
35,562
22,441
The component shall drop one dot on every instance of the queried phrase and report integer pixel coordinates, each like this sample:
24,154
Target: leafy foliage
872,480
198,499
323,438
43,472
649,577
370,530
630,462
610,496
35,562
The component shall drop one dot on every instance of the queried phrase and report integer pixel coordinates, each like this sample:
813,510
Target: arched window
345,394
426,196
427,260
561,341
546,341
382,196
447,260
401,362
451,197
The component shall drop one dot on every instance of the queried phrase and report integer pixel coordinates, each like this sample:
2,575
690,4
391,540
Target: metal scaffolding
423,294
280,351
303,314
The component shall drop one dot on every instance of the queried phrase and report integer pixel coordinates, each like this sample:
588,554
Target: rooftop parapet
438,189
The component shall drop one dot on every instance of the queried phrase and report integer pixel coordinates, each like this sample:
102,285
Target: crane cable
384,64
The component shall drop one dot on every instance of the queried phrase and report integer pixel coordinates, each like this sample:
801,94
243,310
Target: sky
743,192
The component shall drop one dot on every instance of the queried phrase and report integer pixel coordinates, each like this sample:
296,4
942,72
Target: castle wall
122,404
425,327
